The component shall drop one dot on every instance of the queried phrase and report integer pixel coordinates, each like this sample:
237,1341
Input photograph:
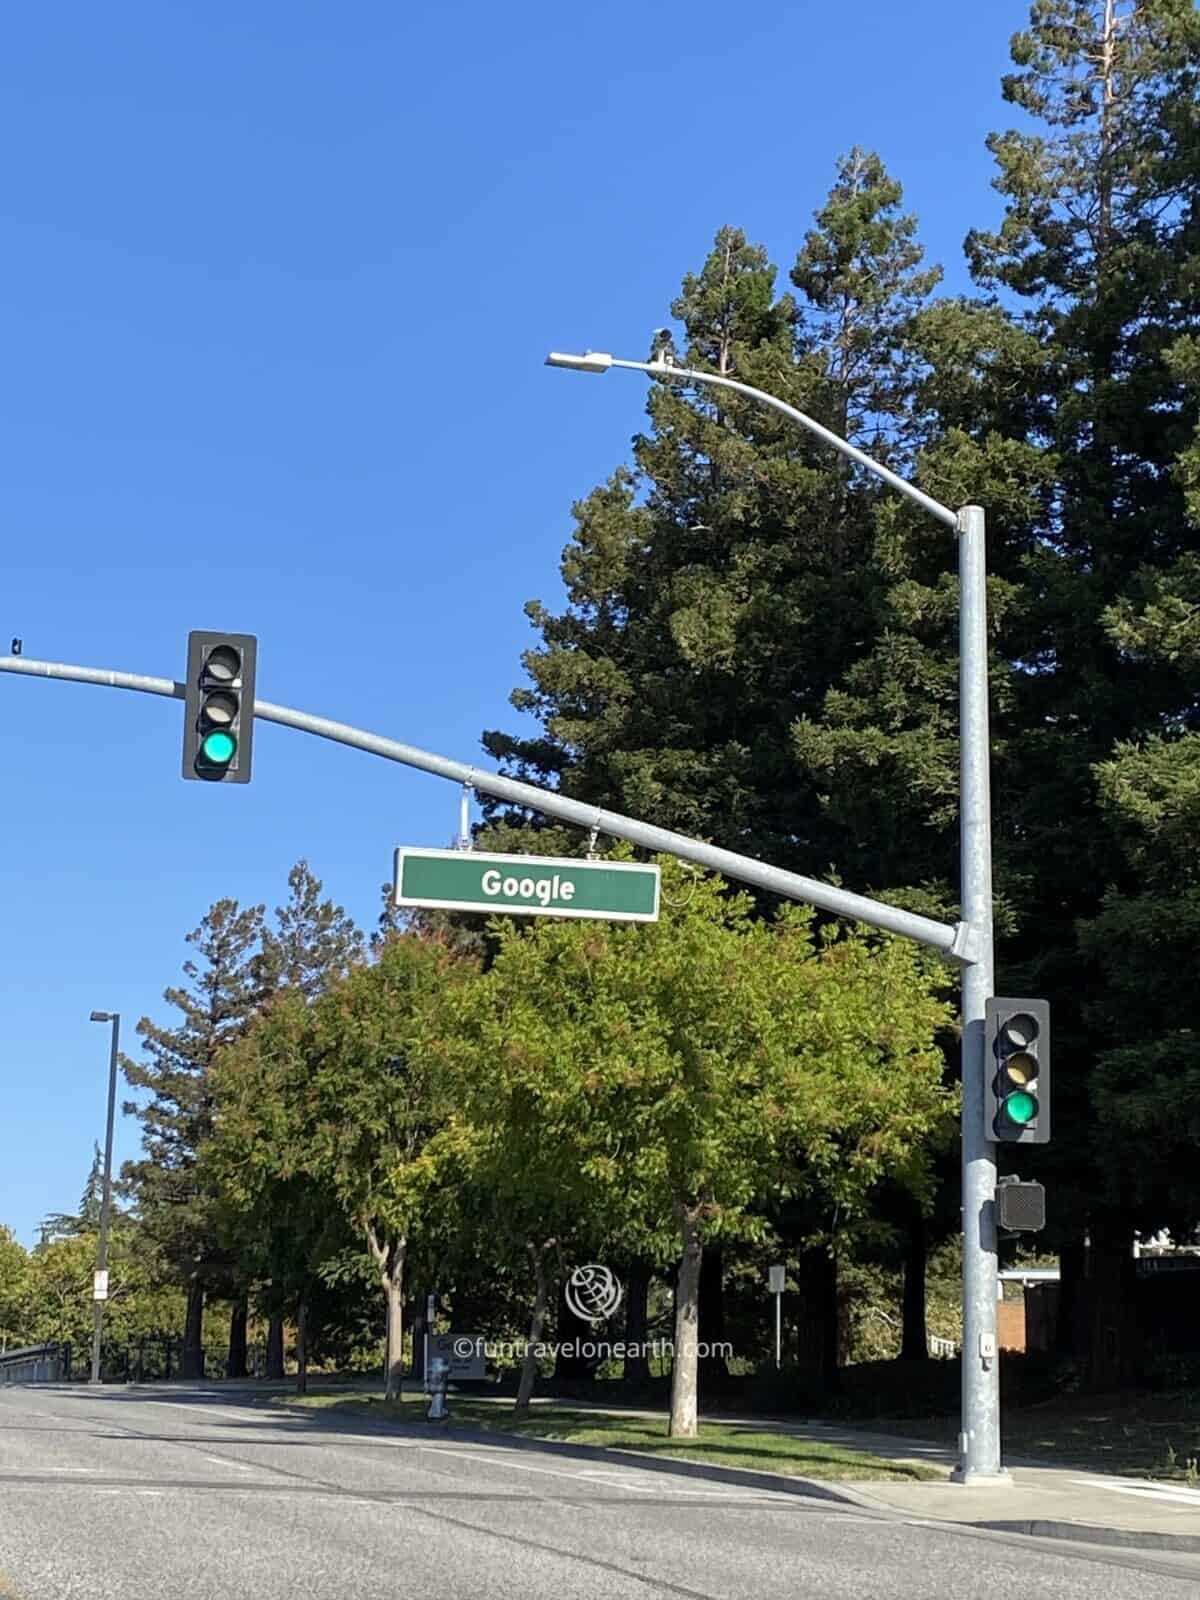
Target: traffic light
218,718
1017,1071
1020,1207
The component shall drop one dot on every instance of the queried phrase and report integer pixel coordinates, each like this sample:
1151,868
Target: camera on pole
218,718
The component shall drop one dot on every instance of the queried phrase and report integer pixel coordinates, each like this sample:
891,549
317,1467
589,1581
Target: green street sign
527,886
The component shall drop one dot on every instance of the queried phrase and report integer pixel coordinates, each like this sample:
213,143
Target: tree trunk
389,1259
914,1343
573,1330
713,1369
235,1366
687,1323
1112,1353
393,1288
637,1295
191,1363
416,1367
1069,1339
275,1347
541,1296
817,1314
302,1345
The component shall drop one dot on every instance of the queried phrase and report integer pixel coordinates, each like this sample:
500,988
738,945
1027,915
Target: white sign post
775,1277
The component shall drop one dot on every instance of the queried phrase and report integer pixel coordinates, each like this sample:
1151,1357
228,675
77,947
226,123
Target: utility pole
100,1283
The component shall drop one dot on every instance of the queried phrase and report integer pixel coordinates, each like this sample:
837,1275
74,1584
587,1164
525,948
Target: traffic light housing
1017,1071
218,718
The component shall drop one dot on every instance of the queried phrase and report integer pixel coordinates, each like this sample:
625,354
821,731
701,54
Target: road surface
143,1494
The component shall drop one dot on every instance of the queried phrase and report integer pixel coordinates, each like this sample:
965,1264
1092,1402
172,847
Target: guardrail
36,1363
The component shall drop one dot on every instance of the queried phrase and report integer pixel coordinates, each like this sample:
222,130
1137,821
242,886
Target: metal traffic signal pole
979,1435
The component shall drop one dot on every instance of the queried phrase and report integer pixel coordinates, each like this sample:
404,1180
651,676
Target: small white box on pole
100,1285
776,1276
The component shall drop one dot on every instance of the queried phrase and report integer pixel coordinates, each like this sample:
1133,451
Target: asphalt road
137,1494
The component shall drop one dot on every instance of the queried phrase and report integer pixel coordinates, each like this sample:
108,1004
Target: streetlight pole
106,1199
979,1436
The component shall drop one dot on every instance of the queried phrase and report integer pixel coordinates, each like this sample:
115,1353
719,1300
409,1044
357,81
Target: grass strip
717,1444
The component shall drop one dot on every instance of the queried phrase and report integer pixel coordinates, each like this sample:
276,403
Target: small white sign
463,1353
776,1276
100,1285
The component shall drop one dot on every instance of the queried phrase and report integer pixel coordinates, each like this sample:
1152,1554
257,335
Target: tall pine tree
179,1212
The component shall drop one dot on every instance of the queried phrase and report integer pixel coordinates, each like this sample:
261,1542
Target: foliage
225,984
14,1289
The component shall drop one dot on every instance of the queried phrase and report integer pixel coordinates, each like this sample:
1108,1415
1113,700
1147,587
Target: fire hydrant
439,1373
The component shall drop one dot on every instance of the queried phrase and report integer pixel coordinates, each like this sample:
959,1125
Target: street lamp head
589,361
101,1016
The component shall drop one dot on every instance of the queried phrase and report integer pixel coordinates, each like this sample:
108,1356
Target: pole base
972,1478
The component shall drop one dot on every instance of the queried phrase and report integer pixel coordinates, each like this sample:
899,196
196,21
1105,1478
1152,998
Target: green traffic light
1020,1107
218,748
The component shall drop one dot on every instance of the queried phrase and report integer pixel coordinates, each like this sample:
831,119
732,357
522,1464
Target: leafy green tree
311,942
281,1223
59,1290
14,1289
338,1105
652,1085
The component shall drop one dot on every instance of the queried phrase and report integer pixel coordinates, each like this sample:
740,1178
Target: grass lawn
720,1444
1133,1434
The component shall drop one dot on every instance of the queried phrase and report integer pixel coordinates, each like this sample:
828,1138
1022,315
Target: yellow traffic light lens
219,710
1021,1069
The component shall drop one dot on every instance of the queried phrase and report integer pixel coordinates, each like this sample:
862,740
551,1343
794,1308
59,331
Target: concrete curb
1085,1533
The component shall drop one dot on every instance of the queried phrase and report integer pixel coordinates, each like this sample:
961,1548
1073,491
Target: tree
14,1289
1066,417
312,941
653,1085
337,1105
177,1210
717,592
68,1225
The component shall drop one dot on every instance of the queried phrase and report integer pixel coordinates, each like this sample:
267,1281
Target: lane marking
620,1480
248,1412
1173,1494
238,1466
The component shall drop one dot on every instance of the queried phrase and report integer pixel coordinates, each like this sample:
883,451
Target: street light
979,1437
106,1200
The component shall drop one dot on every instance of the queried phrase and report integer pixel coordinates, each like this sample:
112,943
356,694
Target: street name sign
527,886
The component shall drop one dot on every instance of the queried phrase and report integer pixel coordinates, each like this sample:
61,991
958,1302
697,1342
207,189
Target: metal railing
36,1363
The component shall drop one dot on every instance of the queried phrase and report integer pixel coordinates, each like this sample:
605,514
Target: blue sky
278,280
